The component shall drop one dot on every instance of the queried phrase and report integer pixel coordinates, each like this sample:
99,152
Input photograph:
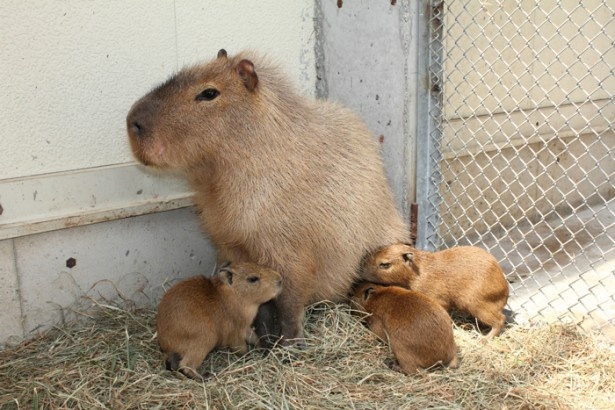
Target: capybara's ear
222,53
408,257
226,275
245,70
368,292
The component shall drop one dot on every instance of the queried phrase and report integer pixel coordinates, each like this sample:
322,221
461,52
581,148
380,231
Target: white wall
70,71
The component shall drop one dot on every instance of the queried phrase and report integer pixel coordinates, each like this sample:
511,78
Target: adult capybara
466,278
199,314
281,180
418,329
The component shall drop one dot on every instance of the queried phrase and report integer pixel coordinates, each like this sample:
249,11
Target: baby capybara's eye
208,95
253,279
384,265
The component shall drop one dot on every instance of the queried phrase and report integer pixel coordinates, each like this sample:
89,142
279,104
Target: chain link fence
518,152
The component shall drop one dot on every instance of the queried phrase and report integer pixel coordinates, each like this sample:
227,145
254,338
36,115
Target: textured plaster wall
71,70
136,258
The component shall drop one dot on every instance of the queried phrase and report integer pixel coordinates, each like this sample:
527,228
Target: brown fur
281,180
419,330
199,314
465,278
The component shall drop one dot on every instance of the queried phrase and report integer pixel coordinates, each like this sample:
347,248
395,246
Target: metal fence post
428,123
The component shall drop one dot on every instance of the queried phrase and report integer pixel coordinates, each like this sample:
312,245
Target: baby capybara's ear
226,276
222,53
408,258
367,293
245,70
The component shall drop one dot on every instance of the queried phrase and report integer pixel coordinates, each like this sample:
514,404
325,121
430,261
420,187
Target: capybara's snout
135,129
136,122
146,146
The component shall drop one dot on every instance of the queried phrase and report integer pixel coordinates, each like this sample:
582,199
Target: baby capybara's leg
407,365
491,316
454,362
191,361
496,325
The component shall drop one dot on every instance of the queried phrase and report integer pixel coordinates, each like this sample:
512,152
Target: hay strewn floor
113,362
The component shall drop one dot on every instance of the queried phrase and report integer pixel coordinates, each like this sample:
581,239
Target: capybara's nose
136,122
135,129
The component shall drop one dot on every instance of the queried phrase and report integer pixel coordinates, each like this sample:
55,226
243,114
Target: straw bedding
113,362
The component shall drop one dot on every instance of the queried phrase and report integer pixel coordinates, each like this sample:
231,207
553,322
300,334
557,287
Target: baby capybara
466,278
199,314
281,180
418,329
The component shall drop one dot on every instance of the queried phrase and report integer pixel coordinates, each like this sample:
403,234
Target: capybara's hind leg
454,363
494,318
172,361
496,328
190,373
406,366
191,361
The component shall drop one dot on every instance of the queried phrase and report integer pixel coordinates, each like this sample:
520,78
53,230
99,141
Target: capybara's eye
384,265
253,279
208,95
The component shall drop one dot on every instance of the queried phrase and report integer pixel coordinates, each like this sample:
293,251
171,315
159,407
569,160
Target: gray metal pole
429,118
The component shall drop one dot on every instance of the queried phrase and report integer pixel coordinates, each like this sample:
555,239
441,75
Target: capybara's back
281,180
418,329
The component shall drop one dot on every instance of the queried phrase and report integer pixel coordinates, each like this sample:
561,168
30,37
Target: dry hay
113,362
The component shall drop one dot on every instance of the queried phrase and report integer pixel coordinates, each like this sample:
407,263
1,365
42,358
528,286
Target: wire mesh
522,95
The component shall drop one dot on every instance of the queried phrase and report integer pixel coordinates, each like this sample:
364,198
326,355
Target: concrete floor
562,268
